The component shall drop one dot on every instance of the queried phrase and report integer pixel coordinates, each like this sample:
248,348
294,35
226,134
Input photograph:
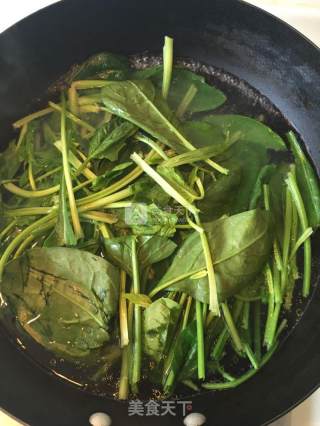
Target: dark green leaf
176,180
138,299
207,97
148,219
240,246
278,186
203,134
250,153
134,101
219,195
109,137
264,177
159,322
189,368
184,361
109,176
103,65
249,128
150,250
149,192
307,181
199,154
64,298
254,290
63,234
9,162
146,73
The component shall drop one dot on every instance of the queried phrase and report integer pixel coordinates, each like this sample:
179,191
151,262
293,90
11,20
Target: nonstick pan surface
232,36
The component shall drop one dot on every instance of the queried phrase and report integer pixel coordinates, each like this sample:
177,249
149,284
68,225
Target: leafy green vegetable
147,73
64,298
159,321
138,299
199,154
107,139
184,363
176,180
250,153
207,97
63,234
307,181
9,162
133,174
150,250
103,65
250,130
148,219
277,191
219,195
102,181
240,246
263,177
148,192
133,101
203,134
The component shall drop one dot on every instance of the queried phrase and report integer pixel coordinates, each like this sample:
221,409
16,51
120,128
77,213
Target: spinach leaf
150,250
149,192
147,73
159,322
219,195
148,219
240,246
39,151
107,139
64,298
197,155
278,186
184,362
103,65
139,299
207,96
10,162
134,101
264,176
203,134
255,290
249,128
307,181
176,180
250,153
63,234
109,176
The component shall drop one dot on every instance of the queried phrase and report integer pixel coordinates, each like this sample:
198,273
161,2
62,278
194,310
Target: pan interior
243,99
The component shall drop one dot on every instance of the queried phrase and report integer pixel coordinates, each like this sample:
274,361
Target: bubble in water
53,362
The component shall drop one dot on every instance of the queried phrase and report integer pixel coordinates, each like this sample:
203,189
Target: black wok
231,35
